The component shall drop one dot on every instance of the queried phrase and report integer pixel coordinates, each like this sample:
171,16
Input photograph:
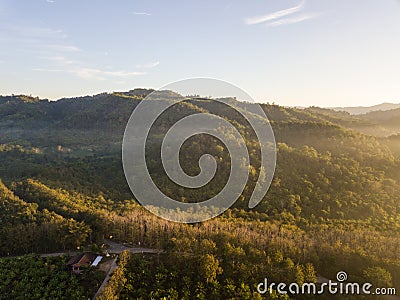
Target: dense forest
33,277
334,203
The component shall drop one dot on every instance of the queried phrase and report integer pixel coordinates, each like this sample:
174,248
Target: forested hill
377,123
334,203
359,110
325,169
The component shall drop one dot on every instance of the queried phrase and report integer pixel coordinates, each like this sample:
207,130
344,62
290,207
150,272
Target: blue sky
312,52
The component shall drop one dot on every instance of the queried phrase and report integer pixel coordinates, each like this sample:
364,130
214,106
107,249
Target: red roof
84,259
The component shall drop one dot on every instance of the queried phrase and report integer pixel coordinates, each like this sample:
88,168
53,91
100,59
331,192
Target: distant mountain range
359,110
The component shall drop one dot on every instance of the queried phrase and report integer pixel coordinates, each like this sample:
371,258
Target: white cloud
148,66
36,39
63,48
141,13
61,55
287,21
92,73
47,70
275,15
62,60
34,32
50,1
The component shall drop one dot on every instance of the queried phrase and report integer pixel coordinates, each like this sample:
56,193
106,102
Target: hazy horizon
256,100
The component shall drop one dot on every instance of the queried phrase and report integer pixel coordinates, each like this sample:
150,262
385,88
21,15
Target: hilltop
359,110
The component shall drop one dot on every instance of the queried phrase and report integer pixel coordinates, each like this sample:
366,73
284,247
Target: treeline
237,238
210,272
28,229
32,277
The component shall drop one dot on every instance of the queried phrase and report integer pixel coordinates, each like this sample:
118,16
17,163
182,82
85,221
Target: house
81,260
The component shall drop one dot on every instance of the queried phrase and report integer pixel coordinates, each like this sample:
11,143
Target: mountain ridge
359,110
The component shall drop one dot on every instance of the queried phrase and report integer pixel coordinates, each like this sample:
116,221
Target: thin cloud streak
141,13
275,15
92,73
46,70
148,66
33,32
89,73
64,48
60,60
37,39
287,21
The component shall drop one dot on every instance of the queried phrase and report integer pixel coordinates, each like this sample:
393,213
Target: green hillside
334,203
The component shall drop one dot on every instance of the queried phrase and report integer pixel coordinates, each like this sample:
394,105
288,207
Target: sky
294,53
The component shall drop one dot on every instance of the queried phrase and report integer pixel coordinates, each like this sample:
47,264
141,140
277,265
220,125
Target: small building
82,260
97,261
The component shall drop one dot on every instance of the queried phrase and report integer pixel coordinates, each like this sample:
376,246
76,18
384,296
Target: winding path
117,248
